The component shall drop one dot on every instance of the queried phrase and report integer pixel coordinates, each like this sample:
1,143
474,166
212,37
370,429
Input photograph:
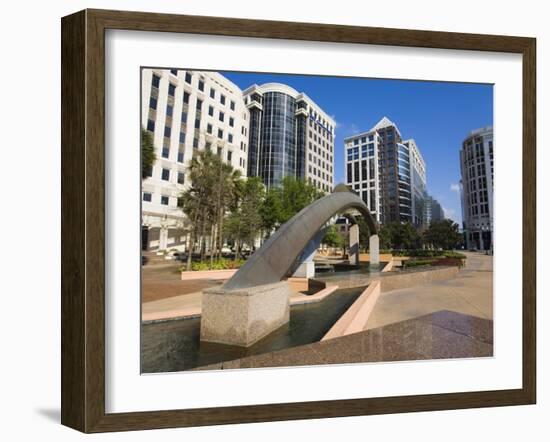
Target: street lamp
483,230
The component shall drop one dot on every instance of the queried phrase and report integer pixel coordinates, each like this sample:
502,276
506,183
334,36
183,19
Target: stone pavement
471,293
162,282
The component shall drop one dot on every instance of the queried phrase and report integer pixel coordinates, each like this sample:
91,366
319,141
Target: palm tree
148,156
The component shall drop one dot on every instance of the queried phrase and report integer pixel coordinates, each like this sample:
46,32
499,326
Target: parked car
226,250
179,256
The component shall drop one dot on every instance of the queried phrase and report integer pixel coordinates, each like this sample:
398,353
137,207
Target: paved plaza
471,293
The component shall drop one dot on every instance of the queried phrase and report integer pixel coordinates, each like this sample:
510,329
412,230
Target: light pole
483,230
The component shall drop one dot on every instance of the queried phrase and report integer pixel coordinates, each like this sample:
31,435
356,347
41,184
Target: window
150,125
221,116
208,146
169,110
180,156
156,81
181,177
195,143
188,77
147,196
166,174
230,138
232,105
210,111
186,97
197,123
231,121
199,104
167,131
171,89
153,103
174,72
165,152
212,93
201,85
164,200
222,99
182,137
209,128
229,156
220,134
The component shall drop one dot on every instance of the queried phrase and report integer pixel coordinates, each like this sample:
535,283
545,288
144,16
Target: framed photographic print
270,220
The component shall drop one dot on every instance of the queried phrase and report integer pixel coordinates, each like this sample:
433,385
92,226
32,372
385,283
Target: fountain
255,301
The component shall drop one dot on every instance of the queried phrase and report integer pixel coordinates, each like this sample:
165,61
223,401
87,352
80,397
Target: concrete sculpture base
242,317
305,270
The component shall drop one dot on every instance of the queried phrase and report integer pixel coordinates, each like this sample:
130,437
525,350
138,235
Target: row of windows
367,150
319,184
165,176
319,119
319,173
148,197
200,85
316,160
363,140
323,132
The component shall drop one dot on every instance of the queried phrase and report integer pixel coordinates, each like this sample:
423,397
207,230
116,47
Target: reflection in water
176,346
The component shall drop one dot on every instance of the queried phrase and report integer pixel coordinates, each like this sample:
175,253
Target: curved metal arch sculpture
273,260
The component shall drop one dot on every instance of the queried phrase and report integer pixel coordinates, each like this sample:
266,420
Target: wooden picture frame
83,220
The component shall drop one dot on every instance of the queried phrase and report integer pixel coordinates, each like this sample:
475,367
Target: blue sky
438,115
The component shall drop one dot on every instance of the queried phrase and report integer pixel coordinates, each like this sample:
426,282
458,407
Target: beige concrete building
185,111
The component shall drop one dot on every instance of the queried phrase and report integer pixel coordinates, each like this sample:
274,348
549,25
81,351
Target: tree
148,156
400,235
282,203
245,221
270,211
443,234
198,202
295,194
384,237
333,238
365,234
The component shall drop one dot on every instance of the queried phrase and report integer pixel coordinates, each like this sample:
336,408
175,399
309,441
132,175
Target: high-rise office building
476,166
433,211
418,183
378,167
185,112
289,135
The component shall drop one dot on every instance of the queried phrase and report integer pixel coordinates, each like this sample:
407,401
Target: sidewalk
470,293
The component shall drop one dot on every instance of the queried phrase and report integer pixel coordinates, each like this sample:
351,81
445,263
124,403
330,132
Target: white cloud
455,187
448,212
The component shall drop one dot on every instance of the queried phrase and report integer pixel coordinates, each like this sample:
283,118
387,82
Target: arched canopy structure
273,260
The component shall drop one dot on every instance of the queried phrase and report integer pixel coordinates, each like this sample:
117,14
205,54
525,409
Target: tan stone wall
384,257
355,318
243,317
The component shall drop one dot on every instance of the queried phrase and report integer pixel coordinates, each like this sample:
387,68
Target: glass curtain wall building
390,176
418,184
289,136
378,167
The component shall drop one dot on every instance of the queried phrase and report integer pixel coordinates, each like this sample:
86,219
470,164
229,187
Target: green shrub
418,262
451,254
218,264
